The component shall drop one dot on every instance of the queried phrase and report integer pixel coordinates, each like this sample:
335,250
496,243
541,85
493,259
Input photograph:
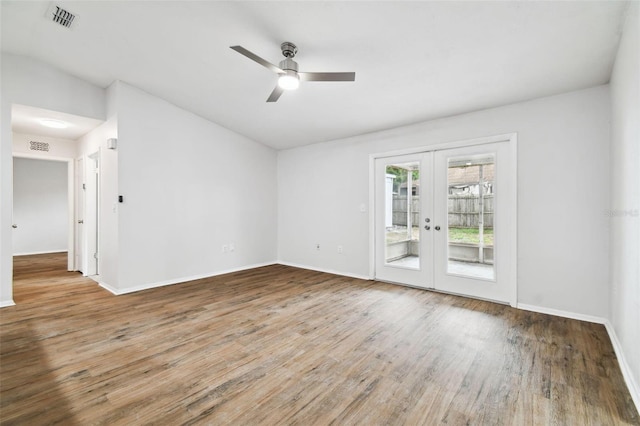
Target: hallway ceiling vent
61,16
38,146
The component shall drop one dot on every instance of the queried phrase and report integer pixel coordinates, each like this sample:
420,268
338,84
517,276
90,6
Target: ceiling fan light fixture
288,76
289,81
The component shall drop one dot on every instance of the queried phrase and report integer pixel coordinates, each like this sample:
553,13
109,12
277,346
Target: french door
442,221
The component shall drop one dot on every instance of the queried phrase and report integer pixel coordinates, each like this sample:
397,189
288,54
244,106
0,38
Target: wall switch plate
340,249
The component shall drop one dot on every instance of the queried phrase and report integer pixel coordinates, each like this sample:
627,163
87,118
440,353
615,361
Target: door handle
81,221
427,227
14,226
437,227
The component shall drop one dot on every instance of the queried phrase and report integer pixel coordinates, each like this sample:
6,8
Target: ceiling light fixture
54,124
289,81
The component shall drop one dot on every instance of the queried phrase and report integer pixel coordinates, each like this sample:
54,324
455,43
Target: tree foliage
401,175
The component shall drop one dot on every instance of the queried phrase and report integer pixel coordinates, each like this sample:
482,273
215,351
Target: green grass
456,235
470,235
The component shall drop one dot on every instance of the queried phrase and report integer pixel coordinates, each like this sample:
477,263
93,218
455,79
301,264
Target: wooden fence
464,210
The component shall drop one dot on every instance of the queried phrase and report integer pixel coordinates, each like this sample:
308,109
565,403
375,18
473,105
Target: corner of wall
624,219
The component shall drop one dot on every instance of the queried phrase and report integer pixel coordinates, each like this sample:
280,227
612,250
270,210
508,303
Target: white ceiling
414,61
27,120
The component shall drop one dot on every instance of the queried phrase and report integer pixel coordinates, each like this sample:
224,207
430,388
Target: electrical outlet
317,246
340,249
225,249
232,247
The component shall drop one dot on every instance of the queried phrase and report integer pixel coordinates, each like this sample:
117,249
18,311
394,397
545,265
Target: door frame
88,208
71,213
511,219
92,205
79,207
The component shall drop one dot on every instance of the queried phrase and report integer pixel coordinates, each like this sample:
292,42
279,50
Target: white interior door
91,214
445,220
79,222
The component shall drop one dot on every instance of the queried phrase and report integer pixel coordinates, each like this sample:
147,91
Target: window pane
470,216
402,215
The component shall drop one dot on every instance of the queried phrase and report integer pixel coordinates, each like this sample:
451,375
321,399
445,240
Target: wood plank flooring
279,345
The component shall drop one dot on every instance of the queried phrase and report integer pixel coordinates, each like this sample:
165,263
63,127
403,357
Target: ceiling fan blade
327,76
241,50
275,94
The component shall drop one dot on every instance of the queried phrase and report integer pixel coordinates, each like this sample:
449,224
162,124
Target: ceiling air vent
38,146
61,16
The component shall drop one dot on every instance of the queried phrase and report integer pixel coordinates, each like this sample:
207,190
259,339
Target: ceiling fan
288,70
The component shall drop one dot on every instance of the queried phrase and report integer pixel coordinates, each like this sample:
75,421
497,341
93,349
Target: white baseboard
118,292
564,314
328,271
6,303
633,387
127,290
110,289
40,252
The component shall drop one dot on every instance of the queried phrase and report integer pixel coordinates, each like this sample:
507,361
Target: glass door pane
402,215
470,216
403,212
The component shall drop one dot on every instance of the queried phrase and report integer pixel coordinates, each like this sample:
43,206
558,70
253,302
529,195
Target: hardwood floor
279,345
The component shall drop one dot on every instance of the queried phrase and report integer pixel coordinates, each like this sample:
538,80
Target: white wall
28,82
625,197
40,206
563,184
189,187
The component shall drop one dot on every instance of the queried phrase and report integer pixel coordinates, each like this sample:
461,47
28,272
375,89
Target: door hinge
84,186
95,256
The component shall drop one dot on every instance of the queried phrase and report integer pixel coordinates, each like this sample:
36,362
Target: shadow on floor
26,376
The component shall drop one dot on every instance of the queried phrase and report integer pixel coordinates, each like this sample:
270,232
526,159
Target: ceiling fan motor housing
289,49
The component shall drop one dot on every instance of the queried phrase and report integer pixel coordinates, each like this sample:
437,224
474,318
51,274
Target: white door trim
70,200
79,214
507,137
92,213
512,217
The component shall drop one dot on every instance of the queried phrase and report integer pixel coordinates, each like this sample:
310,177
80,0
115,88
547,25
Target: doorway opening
42,239
43,195
45,205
